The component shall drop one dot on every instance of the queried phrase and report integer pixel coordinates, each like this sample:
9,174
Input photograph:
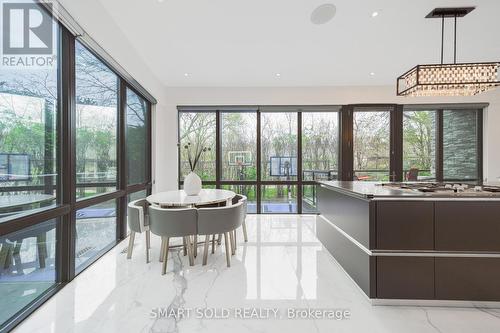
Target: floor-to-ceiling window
75,140
96,154
276,154
29,176
272,155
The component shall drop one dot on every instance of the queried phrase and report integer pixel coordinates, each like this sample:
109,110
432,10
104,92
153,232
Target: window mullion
67,228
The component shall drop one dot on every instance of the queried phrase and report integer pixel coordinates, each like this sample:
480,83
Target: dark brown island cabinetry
413,245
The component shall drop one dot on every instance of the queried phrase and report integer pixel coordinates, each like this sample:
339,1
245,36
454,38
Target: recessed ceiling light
374,14
187,74
323,13
278,74
372,74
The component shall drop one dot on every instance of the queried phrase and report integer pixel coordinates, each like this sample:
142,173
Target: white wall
166,120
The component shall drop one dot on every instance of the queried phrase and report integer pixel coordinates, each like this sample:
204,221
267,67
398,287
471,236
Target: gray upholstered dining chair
219,220
168,223
237,198
137,219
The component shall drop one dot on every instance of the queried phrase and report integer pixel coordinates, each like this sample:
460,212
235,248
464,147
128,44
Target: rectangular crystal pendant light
449,79
456,79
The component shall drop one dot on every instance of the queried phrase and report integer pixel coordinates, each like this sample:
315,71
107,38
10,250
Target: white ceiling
247,42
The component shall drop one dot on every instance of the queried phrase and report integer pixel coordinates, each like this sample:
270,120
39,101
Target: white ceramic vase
192,184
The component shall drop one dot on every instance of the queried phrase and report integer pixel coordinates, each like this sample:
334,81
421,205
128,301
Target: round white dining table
179,198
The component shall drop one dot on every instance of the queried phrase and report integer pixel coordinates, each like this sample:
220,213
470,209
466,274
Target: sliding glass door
419,145
371,144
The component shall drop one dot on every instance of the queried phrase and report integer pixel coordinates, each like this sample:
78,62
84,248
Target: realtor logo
27,29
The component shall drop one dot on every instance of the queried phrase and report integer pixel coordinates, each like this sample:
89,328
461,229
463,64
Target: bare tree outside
371,145
320,152
96,123
198,129
28,133
419,145
320,144
239,145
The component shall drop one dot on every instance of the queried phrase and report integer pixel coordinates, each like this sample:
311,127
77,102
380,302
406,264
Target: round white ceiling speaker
323,13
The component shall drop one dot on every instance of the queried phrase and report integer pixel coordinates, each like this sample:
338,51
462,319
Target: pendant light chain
442,38
455,43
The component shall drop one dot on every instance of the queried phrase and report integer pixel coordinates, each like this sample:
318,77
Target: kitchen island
414,241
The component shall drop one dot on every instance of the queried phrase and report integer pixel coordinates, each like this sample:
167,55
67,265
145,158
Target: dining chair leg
231,239
245,235
228,249
165,255
148,245
235,245
130,244
184,245
161,249
205,249
219,240
195,245
190,251
213,243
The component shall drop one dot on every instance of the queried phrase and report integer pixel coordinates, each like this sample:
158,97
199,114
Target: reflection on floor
282,267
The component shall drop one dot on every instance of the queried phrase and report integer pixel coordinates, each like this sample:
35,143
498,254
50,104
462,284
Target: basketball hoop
240,158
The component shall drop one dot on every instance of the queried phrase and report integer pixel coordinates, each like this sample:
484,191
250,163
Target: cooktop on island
414,190
444,187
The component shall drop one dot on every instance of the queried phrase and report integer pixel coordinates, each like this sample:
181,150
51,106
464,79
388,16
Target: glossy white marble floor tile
282,268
